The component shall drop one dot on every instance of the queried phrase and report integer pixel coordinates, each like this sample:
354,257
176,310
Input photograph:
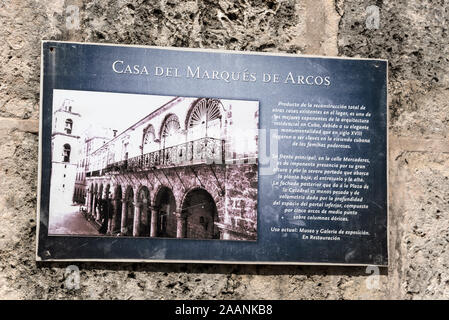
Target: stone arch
128,212
199,209
164,206
143,194
215,195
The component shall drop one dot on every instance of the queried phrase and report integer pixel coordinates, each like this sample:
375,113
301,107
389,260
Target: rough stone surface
420,258
413,36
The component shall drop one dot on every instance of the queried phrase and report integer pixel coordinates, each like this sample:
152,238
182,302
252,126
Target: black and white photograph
134,165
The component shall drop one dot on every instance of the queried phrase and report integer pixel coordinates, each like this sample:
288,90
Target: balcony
201,151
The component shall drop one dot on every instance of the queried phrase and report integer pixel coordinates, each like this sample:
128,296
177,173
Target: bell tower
65,153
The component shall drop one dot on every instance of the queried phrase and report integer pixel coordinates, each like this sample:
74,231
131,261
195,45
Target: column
225,234
181,225
110,215
97,211
136,229
144,223
94,205
115,216
124,211
87,203
154,221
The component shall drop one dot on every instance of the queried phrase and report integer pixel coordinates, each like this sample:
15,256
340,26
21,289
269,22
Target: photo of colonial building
183,168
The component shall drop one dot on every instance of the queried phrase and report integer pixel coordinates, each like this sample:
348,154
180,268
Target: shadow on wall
224,269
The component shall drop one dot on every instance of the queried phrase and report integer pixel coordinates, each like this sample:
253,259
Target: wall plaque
183,155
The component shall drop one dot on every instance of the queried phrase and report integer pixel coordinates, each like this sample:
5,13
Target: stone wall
413,36
241,200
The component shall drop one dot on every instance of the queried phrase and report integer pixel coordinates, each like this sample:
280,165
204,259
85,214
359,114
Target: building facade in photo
186,170
93,139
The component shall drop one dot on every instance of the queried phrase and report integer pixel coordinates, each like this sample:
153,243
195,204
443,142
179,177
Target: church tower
65,153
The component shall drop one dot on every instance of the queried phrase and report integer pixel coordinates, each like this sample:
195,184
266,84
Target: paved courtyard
70,221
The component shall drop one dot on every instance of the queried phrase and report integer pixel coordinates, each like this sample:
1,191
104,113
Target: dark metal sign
183,155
